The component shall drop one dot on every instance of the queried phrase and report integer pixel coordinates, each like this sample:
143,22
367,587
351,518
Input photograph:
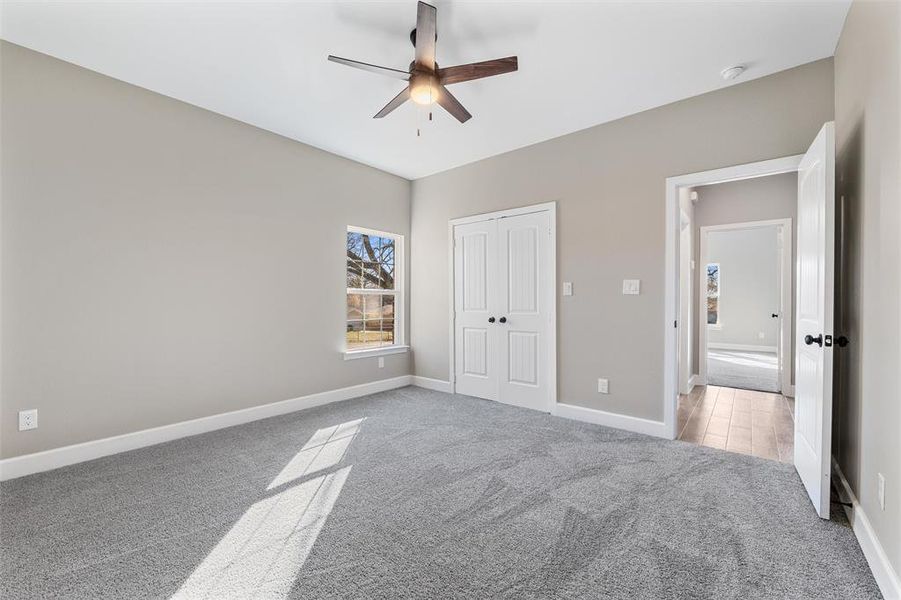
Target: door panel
814,310
475,339
523,356
523,255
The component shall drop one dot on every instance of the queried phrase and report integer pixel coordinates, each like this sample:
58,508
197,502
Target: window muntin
373,294
713,294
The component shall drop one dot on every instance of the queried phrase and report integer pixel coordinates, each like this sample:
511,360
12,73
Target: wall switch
603,386
881,490
28,419
631,287
381,362
761,335
567,288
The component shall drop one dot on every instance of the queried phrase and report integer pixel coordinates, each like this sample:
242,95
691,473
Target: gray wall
161,262
749,285
608,182
759,199
867,403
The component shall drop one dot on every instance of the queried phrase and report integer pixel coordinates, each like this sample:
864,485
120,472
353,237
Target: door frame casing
776,166
786,325
551,280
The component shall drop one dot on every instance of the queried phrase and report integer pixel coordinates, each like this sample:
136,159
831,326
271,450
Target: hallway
737,420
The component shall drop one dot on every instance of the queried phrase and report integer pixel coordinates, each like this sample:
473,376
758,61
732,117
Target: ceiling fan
426,80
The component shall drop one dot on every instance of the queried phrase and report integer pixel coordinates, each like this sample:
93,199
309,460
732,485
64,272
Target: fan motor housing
413,37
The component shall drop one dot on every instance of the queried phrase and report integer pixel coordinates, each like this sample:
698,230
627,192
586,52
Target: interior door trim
551,209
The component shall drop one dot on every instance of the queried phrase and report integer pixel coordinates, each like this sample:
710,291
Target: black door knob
842,341
775,315
503,319
491,319
810,340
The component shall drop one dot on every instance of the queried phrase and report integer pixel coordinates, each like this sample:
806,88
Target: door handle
775,315
491,319
503,319
810,340
842,341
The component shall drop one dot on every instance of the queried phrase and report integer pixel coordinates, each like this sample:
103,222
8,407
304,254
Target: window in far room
374,295
713,294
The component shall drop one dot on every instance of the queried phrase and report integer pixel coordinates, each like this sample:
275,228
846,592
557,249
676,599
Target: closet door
475,297
524,300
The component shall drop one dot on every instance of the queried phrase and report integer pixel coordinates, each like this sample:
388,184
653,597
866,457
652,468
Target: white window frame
399,345
719,291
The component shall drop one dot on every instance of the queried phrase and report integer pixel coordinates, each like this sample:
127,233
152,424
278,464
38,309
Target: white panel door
523,309
475,282
814,306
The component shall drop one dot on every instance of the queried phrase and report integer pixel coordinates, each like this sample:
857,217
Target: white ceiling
581,63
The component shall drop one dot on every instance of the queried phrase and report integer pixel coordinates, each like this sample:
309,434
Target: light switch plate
567,288
603,386
631,287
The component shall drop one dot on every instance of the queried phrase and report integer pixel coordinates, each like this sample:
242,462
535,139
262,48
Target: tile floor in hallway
749,422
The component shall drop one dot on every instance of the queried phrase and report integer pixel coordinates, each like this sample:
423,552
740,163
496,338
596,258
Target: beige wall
867,408
608,182
758,199
161,262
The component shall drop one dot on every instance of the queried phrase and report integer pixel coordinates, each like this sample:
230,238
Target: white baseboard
742,347
600,417
692,382
20,466
886,577
439,385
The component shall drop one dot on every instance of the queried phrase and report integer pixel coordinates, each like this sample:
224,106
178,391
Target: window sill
370,352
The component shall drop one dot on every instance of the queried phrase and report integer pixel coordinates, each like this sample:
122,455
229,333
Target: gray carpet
423,495
743,370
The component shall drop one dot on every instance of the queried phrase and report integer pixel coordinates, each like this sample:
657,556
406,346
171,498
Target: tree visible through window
713,294
371,291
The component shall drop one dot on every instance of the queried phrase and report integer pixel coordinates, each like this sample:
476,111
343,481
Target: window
374,298
713,294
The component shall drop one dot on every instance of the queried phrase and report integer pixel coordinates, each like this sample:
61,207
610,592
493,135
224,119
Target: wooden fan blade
396,73
426,18
477,70
447,101
395,102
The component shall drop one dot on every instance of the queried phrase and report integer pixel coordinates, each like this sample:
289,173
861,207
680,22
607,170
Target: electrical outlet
567,288
381,362
881,490
603,386
28,419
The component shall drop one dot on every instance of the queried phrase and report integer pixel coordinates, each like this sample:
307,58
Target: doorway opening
744,326
736,286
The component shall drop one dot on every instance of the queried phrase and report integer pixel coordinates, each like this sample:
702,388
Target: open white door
813,361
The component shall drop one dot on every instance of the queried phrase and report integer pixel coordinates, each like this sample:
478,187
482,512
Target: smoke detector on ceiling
732,72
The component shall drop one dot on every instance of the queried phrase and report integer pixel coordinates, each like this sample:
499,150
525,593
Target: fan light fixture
421,91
